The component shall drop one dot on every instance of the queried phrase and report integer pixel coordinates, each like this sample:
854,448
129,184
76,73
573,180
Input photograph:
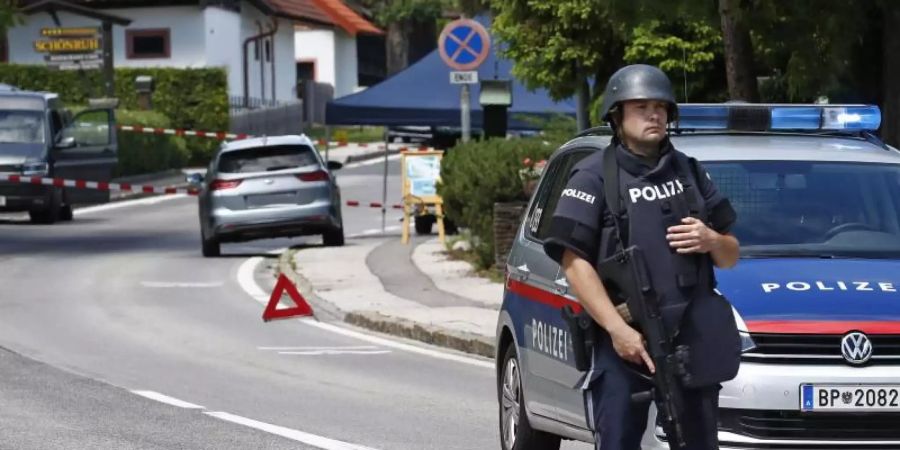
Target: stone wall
507,217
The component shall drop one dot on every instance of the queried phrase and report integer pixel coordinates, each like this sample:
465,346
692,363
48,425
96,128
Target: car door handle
520,273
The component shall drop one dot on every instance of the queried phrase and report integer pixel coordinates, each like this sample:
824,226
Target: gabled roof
303,10
345,17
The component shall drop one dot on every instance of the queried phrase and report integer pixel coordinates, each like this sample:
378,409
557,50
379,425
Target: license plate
272,199
2,200
861,398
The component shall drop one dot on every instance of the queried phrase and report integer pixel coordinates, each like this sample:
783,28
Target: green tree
686,50
407,23
560,45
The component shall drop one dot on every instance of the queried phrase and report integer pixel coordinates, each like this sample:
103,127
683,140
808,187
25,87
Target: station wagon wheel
515,430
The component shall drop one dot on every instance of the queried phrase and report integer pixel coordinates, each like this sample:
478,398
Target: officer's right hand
629,345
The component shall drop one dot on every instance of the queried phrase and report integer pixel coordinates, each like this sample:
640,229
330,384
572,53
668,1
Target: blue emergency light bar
777,117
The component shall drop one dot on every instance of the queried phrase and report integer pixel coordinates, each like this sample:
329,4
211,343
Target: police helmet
638,82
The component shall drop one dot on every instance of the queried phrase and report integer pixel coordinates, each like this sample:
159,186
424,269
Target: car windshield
813,209
267,159
21,127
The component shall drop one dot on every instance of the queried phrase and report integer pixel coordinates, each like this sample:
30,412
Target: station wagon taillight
218,185
319,175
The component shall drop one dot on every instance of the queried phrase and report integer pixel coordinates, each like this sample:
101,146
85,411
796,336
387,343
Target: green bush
189,98
476,175
147,153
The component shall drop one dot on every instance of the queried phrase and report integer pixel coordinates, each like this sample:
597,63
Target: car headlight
747,343
39,169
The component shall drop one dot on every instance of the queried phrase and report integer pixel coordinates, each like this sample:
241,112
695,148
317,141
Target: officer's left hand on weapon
692,237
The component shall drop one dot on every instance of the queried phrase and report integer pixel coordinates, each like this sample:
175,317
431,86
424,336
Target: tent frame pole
384,182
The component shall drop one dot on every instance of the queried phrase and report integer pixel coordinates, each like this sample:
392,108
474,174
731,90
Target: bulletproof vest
648,204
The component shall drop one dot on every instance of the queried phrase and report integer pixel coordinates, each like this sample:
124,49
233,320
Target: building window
147,43
306,71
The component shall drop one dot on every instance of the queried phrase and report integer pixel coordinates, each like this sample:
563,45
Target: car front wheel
515,430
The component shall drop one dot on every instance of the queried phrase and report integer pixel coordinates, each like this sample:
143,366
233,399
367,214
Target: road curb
396,326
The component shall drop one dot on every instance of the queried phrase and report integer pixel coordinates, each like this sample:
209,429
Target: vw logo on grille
856,348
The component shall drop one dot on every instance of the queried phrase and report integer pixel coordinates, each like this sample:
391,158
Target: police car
815,293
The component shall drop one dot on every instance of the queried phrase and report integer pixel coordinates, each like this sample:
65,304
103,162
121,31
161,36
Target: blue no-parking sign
464,44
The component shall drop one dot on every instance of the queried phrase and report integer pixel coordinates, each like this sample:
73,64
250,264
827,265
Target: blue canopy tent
422,95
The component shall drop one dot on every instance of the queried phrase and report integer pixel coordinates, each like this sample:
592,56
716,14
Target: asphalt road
117,334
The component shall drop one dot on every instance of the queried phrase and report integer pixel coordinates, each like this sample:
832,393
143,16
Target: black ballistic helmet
638,82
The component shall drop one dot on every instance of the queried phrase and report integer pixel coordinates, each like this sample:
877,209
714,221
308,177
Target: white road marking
246,281
180,284
299,436
127,203
372,231
335,352
309,347
167,400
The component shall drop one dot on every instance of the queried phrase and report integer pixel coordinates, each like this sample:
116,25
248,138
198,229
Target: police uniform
654,195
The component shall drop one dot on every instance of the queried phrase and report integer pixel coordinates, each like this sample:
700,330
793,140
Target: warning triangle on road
284,285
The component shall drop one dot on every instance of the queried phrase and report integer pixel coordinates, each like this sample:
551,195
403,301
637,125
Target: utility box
144,86
495,100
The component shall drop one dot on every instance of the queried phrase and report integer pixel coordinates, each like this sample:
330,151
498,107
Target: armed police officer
642,192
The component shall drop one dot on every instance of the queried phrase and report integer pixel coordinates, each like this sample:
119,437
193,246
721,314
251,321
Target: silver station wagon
268,187
815,292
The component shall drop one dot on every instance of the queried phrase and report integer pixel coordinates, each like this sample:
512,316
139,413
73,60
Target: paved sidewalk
412,291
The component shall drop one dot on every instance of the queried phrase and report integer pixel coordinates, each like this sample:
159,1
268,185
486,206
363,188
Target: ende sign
71,48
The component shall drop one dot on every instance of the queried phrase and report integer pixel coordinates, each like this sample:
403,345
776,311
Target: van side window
550,190
56,123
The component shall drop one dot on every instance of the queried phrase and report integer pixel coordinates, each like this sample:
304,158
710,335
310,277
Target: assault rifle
626,279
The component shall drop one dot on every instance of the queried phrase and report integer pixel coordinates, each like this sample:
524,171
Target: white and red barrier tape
221,135
370,205
102,186
224,135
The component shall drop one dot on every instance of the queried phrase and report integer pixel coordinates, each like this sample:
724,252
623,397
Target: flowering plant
530,174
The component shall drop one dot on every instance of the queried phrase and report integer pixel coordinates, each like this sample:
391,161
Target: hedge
188,98
141,153
476,175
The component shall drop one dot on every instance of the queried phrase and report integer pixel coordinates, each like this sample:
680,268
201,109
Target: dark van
39,137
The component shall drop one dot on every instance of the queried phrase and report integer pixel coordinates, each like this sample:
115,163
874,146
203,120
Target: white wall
223,44
185,35
346,70
210,37
285,70
317,45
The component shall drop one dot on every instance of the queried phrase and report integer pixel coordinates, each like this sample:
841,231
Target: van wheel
333,237
211,246
51,213
515,430
65,213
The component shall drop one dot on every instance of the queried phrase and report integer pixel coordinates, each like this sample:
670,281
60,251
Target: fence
258,116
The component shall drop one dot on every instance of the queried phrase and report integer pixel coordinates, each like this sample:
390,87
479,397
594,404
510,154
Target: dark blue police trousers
619,423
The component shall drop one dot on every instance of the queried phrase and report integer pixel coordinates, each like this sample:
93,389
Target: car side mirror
195,178
66,142
334,165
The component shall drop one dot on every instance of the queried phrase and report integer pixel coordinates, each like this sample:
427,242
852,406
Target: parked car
815,292
41,138
268,187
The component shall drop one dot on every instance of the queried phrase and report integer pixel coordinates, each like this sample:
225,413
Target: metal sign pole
464,111
384,185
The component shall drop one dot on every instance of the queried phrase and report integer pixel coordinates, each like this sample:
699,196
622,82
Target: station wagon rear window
267,159
813,209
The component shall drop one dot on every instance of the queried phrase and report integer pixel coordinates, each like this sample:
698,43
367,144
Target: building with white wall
329,55
253,40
